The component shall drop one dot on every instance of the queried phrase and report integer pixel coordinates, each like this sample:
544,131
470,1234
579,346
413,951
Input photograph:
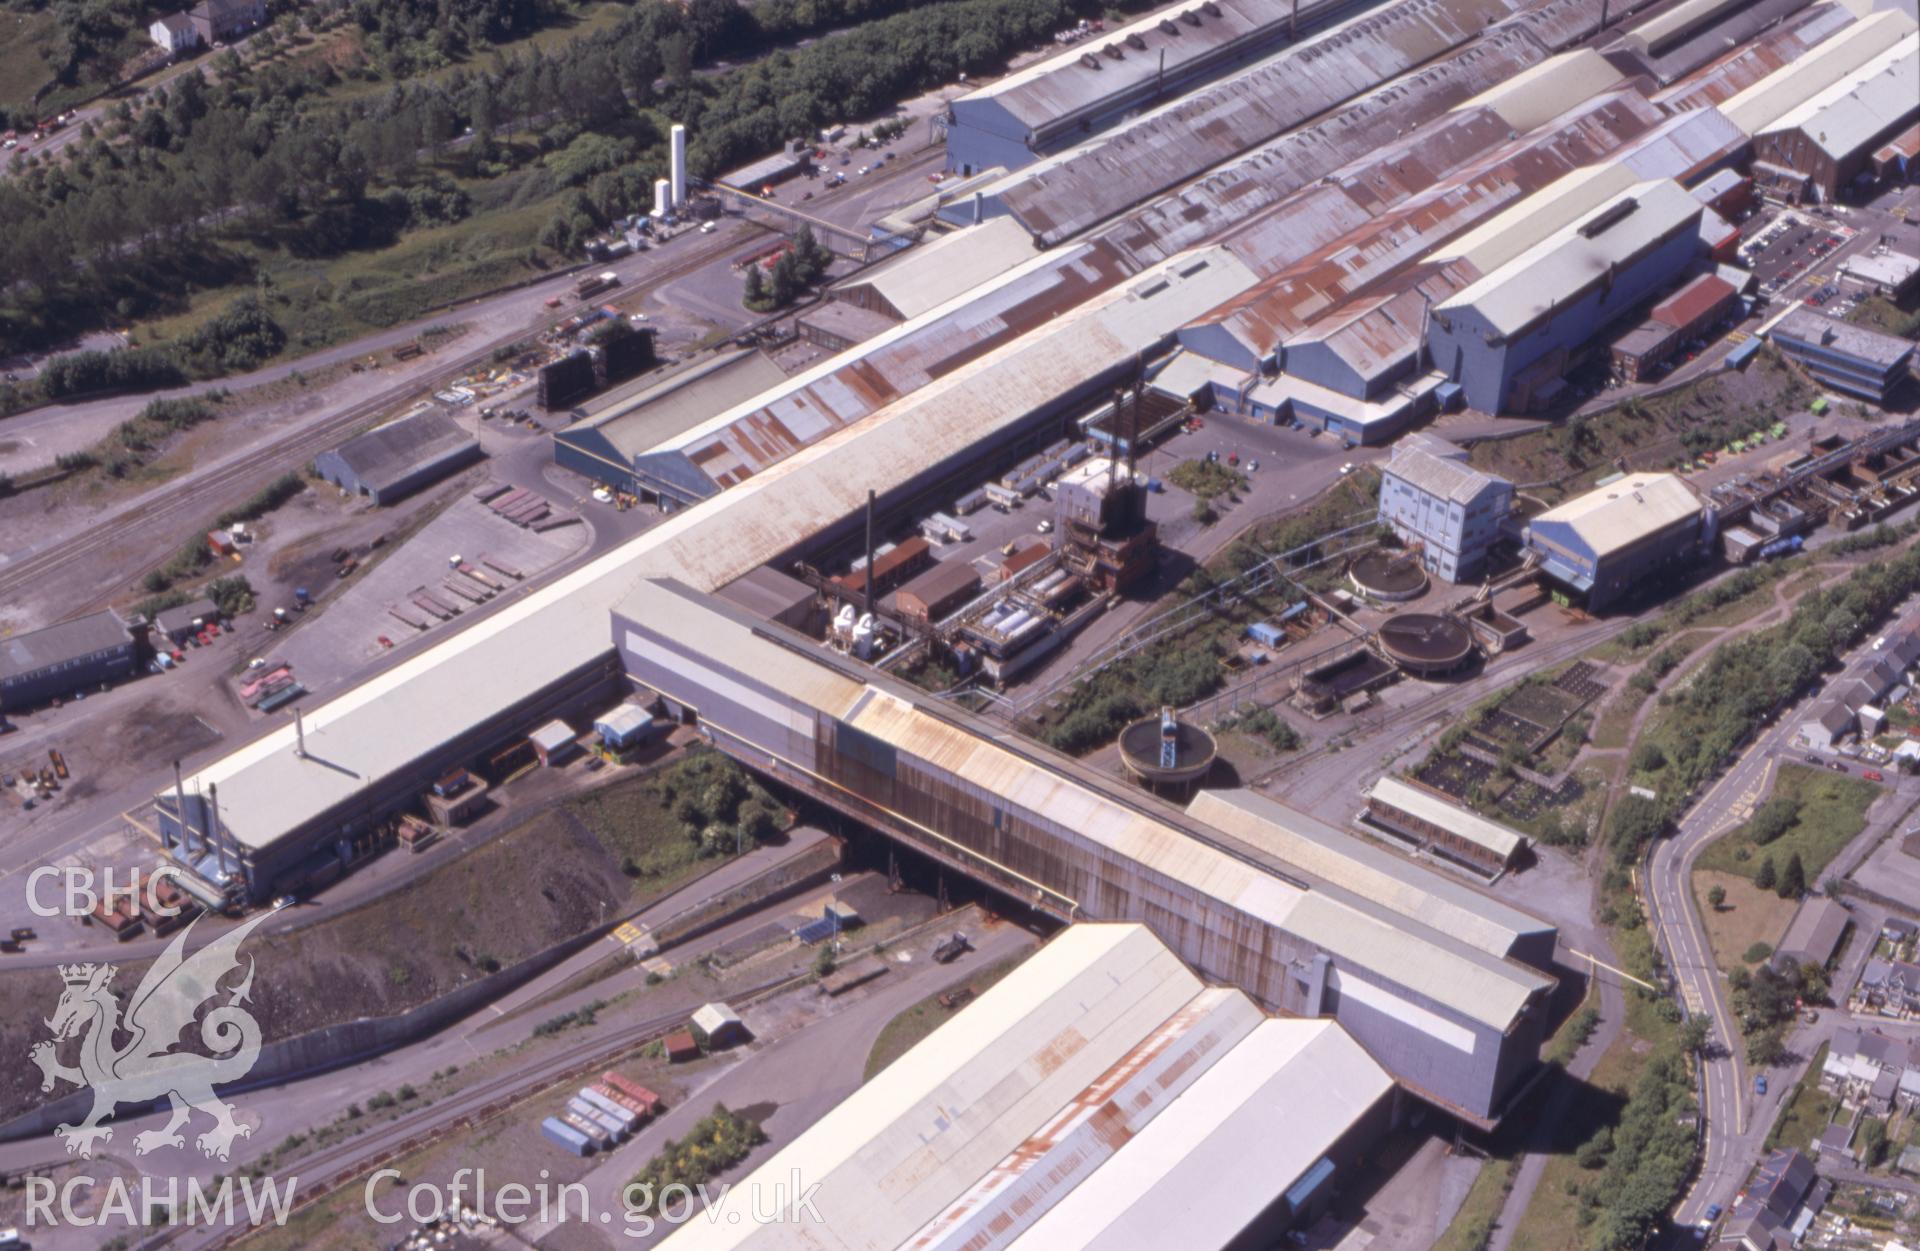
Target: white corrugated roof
1766,101
1509,233
1864,105
934,272
1079,1139
903,1146
1556,269
1205,1169
1536,96
1448,906
1428,806
1626,510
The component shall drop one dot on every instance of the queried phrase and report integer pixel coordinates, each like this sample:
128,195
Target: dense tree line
1744,680
1648,1157
267,155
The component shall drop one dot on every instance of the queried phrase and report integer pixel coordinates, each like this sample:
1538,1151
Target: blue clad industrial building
1506,338
1601,544
1844,356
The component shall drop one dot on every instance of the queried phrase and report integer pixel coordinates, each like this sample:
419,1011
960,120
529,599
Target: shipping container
567,1136
648,1101
599,1136
614,1129
281,698
627,1117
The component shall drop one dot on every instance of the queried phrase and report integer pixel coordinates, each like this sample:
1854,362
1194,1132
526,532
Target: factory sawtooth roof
57,644
1577,255
1862,107
1626,510
1419,802
1438,476
1069,192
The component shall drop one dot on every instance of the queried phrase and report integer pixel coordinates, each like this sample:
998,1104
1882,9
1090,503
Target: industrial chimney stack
299,736
679,170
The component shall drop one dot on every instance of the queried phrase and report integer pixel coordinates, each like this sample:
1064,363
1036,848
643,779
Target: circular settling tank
1426,643
1389,576
1166,751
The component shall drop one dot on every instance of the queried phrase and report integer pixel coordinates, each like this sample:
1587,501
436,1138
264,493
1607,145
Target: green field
23,68
1833,810
1808,1112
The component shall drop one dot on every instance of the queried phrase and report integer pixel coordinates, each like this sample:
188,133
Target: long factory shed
1068,193
989,1135
374,746
1453,1021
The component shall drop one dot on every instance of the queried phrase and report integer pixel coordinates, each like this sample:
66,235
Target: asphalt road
1737,1119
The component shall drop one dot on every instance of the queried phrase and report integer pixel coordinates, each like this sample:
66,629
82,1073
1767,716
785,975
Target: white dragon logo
164,1006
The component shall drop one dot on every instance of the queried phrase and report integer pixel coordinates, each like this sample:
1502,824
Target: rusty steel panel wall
1222,942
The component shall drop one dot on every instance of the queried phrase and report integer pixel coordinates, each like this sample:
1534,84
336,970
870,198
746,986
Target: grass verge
913,1025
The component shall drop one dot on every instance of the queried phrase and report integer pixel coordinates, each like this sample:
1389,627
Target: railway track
202,496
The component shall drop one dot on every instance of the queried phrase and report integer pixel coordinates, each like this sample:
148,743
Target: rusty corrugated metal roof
867,378
1740,69
1357,262
1065,195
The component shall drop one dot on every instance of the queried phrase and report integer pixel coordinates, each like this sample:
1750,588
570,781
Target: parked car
1837,766
1760,1084
1874,775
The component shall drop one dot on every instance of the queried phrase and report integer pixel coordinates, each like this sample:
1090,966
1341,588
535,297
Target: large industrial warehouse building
1154,1127
390,462
1367,237
1506,338
1447,1016
1602,544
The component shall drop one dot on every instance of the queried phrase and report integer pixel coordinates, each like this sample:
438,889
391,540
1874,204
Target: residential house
1870,1069
1827,723
1891,986
175,34
219,20
1782,1182
1756,1230
1784,1185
